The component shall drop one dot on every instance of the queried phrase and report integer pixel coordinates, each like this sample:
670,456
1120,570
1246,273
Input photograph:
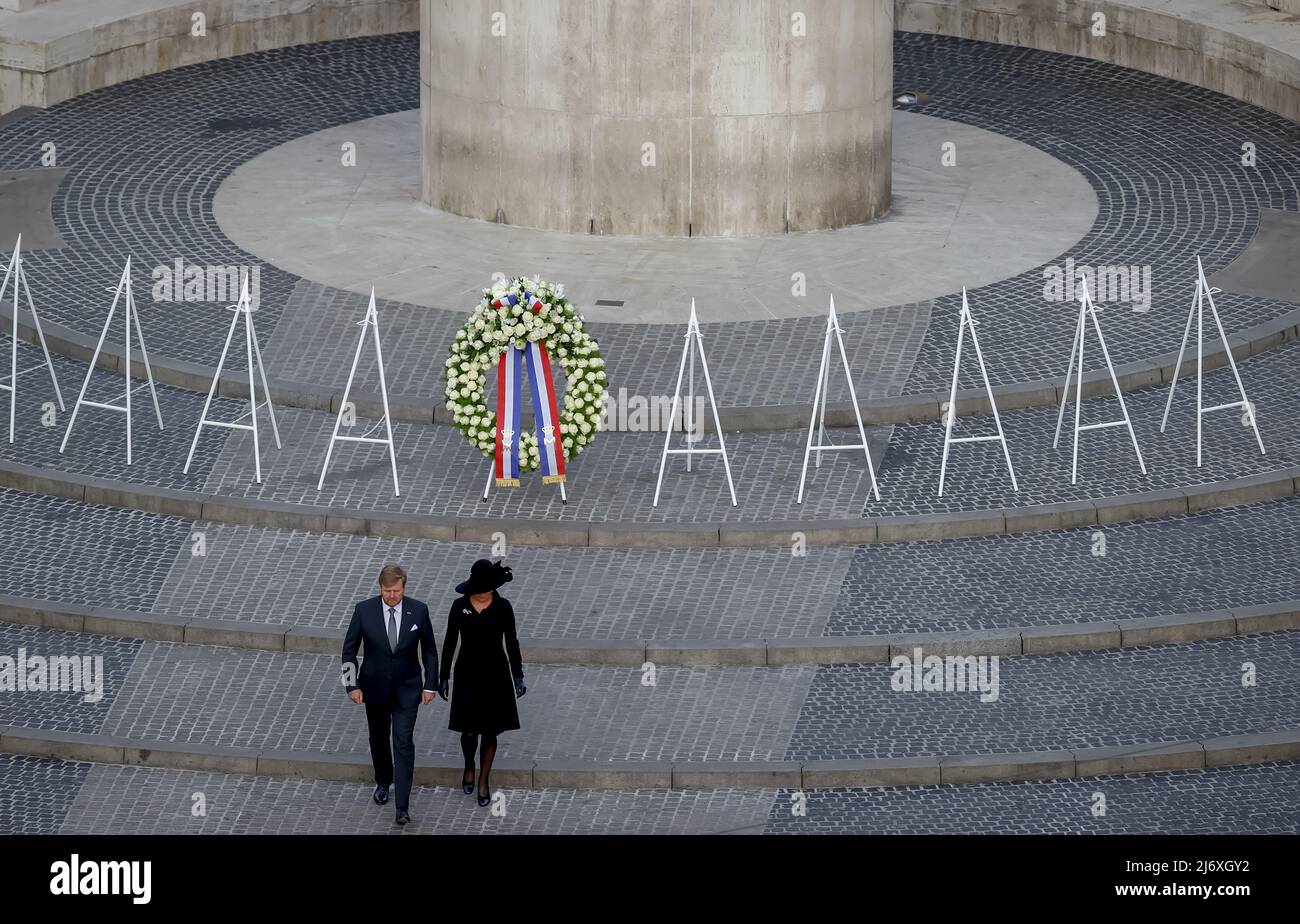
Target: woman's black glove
520,689
443,687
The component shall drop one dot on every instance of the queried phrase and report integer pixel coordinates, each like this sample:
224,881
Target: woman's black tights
487,753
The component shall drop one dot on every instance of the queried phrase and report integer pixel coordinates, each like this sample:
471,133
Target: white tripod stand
18,275
693,339
968,321
1203,291
369,323
253,352
1088,310
130,320
818,422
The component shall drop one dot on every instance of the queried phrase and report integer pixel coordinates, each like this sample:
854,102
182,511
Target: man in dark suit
391,627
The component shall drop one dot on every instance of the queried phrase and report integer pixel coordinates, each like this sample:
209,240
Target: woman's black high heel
468,787
485,800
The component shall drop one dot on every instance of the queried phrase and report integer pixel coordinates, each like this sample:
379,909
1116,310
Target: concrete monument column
658,117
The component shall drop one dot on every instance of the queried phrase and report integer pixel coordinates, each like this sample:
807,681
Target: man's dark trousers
391,683
398,762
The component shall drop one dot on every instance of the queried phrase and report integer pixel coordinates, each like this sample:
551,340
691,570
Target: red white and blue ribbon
509,384
545,408
550,449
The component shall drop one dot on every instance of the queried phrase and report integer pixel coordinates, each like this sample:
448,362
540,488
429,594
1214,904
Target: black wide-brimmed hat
485,575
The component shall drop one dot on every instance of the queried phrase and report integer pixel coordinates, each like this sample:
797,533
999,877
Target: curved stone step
76,45
444,478
45,796
1078,763
875,411
688,652
1245,51
57,49
1081,714
529,532
1207,575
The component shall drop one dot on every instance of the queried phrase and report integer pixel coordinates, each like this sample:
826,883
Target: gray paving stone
1132,696
140,800
1237,800
983,768
557,593
35,794
1135,759
64,710
92,556
1177,565
45,796
239,698
1155,630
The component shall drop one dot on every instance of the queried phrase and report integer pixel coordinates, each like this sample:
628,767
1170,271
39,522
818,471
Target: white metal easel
253,352
1088,309
371,322
818,421
694,339
1203,291
19,275
131,320
968,321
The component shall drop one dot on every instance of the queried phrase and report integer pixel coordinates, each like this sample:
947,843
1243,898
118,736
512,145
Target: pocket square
415,628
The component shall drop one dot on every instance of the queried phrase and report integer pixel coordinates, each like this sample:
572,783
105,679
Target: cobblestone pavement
243,698
57,549
1074,700
35,794
143,161
43,797
1263,799
1200,562
614,478
977,473
239,698
97,444
254,574
159,147
58,710
144,562
315,340
1165,151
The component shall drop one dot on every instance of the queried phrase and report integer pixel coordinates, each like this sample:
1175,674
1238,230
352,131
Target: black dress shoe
381,795
468,787
485,800
403,818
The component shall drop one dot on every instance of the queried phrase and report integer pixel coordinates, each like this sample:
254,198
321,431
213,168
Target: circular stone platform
1004,208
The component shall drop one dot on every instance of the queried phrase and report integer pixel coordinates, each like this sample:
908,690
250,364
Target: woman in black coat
489,671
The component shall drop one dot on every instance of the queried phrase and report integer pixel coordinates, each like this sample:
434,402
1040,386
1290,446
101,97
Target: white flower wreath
478,347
